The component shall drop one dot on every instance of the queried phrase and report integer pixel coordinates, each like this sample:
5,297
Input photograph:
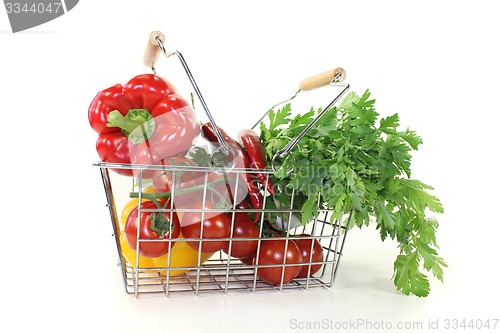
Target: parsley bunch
354,161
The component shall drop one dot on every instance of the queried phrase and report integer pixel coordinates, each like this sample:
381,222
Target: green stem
138,125
181,191
150,196
160,223
217,193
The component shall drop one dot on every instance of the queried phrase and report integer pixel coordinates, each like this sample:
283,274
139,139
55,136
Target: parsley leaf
280,117
354,161
200,156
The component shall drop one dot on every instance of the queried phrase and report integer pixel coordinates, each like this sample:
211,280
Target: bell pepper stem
138,125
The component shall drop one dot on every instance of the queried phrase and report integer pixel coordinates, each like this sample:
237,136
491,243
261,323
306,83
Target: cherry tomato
242,207
152,225
163,181
131,204
219,188
248,261
222,189
243,228
304,245
272,251
215,225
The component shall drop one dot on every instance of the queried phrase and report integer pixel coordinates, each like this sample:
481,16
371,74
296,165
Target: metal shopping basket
220,272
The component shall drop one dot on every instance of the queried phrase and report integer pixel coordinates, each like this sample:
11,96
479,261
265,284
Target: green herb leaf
391,122
310,208
354,161
200,156
280,118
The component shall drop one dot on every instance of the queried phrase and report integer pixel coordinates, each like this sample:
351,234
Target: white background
434,62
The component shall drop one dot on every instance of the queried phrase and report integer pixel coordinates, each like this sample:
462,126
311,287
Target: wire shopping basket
198,264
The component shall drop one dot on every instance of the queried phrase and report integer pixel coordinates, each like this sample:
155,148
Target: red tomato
243,228
272,251
248,261
219,189
163,182
304,245
152,225
215,225
240,209
223,189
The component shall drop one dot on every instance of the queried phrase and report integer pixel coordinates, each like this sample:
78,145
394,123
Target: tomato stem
180,191
160,223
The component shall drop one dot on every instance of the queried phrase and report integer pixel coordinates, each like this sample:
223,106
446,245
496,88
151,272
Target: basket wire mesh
221,273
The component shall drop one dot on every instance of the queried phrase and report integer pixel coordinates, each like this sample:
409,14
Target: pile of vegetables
351,162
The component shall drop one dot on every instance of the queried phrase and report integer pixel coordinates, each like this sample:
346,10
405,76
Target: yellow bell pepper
181,255
130,255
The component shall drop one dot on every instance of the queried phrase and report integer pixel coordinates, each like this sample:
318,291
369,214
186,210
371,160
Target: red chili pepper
145,121
243,161
251,141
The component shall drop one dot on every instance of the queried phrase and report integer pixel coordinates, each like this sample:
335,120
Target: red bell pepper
142,122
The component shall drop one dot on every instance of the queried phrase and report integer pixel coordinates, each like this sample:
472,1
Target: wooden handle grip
322,79
152,50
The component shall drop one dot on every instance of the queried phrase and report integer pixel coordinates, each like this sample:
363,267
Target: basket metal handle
155,45
332,77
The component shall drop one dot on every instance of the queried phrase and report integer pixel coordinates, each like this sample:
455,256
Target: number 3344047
33,8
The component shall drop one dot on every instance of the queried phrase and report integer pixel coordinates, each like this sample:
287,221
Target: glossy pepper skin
142,122
251,142
243,161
